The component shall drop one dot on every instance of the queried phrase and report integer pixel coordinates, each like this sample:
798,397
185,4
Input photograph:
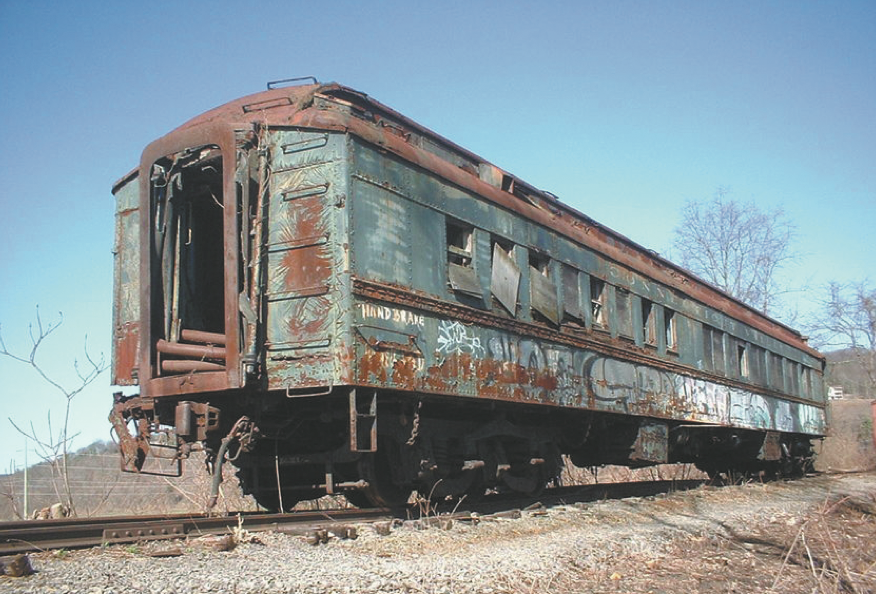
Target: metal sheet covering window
505,280
542,291
571,295
624,312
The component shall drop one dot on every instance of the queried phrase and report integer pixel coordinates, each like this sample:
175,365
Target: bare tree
53,447
846,319
737,247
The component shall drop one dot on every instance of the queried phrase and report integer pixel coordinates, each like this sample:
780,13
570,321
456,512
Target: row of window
727,355
584,298
586,301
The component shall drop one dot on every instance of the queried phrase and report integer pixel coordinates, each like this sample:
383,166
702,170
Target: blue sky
623,109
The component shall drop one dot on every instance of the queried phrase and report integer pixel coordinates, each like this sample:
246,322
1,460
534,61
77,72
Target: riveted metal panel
126,282
307,196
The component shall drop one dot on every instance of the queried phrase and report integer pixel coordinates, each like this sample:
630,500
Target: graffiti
453,338
784,416
705,401
811,418
749,410
526,353
572,377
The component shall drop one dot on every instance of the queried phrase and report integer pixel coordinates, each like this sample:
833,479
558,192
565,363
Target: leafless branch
54,449
737,247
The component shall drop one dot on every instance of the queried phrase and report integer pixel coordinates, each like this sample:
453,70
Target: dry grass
829,551
837,545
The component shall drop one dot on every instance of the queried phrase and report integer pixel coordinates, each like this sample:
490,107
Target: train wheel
358,498
376,470
528,480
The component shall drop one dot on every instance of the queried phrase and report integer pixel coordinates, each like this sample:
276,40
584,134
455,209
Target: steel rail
69,533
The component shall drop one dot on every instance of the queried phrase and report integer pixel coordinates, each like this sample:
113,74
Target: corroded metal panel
458,355
543,295
306,191
126,282
652,442
505,281
381,233
463,279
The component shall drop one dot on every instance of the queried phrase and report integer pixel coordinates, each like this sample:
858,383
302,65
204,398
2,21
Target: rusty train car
336,299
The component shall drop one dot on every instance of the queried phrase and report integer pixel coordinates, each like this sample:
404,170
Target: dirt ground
817,548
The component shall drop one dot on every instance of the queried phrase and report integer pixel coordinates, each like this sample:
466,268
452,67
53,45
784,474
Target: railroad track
70,533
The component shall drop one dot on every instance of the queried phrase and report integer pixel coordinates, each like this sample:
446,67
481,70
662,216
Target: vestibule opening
188,267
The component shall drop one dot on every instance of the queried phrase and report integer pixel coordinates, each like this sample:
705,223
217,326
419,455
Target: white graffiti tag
453,338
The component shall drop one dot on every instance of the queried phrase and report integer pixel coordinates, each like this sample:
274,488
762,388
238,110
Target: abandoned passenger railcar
337,299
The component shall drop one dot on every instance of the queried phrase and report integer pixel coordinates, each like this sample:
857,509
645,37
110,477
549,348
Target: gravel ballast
557,549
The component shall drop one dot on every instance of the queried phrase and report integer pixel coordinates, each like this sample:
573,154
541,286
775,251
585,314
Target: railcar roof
294,106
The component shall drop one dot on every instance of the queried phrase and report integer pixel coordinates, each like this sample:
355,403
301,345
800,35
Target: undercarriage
303,447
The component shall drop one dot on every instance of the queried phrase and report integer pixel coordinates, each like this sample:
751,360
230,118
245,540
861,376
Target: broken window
741,360
505,278
460,259
624,312
597,302
670,334
571,295
649,323
459,243
542,291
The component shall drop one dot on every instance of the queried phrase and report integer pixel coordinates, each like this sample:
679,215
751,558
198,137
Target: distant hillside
848,368
100,488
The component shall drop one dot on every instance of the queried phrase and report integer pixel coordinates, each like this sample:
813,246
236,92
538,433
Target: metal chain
415,430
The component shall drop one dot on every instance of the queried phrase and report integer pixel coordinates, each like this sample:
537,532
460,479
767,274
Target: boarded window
571,295
597,302
542,290
776,373
460,259
670,333
505,279
624,312
713,349
792,372
718,351
707,347
756,364
805,382
649,323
